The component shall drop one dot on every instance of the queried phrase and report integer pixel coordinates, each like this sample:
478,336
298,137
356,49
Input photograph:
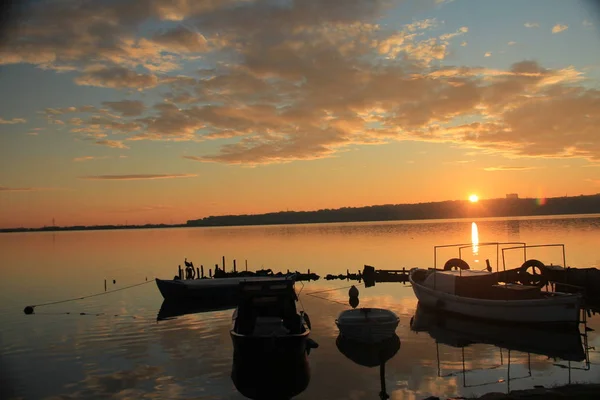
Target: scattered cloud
506,168
532,25
117,78
511,43
22,189
559,28
89,158
463,44
586,23
488,54
127,108
115,144
302,81
12,121
136,177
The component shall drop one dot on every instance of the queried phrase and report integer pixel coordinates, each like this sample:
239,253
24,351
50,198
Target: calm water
126,353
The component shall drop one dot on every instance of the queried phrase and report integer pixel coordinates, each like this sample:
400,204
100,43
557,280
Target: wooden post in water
197,273
223,263
202,271
234,268
105,285
246,265
180,273
210,273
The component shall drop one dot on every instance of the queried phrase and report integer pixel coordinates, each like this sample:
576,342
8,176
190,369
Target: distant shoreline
493,208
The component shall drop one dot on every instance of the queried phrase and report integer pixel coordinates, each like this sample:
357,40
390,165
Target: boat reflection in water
565,343
270,342
370,354
171,309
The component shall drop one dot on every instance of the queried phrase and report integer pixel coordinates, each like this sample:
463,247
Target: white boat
478,294
370,325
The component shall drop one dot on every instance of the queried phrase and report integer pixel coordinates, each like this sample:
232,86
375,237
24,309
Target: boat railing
462,246
524,248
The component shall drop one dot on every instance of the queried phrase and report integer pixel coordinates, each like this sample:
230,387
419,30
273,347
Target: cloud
182,40
89,158
115,144
559,28
23,189
506,168
136,177
463,44
511,43
586,23
117,78
12,121
271,82
127,108
532,25
488,54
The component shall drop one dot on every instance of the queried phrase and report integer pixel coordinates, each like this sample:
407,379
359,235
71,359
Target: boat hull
222,290
562,309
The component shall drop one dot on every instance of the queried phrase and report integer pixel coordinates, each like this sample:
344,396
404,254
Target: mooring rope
29,309
330,290
313,294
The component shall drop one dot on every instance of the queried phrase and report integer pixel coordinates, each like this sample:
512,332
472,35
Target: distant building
512,196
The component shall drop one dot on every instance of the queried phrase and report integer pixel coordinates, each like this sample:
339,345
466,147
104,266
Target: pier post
210,273
180,273
202,271
197,273
223,263
234,268
246,265
105,285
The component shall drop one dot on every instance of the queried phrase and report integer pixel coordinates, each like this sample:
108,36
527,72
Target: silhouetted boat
459,331
367,324
225,289
270,341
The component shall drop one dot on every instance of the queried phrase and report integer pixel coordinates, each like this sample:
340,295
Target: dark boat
270,341
223,289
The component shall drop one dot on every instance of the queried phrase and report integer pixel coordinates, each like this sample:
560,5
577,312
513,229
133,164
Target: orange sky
165,113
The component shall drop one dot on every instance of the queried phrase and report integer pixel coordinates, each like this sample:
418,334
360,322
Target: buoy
354,302
353,292
28,310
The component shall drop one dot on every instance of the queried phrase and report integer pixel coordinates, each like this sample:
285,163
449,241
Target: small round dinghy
367,324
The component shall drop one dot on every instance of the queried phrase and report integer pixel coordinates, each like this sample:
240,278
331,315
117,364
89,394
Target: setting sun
473,198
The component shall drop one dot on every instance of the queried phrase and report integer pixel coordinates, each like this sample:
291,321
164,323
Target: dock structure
191,272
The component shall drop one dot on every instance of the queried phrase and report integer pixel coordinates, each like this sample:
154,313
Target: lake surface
125,353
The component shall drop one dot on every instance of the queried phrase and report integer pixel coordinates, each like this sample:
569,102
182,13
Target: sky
160,111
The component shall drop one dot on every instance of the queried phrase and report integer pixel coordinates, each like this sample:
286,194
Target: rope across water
30,309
